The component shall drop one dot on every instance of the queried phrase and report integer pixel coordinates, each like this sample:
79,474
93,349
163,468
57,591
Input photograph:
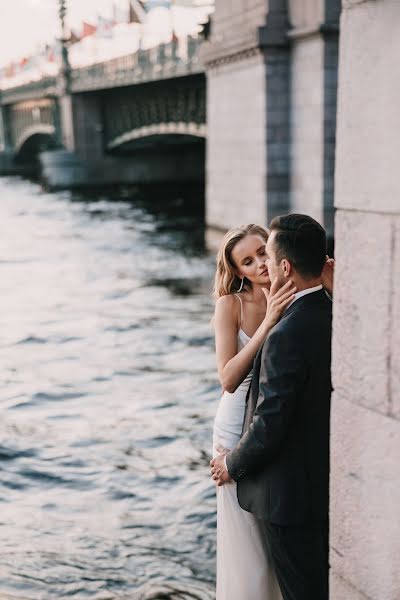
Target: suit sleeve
282,377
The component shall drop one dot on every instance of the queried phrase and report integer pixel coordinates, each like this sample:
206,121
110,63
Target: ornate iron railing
175,59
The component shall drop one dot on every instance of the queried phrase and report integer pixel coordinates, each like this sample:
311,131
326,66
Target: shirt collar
304,293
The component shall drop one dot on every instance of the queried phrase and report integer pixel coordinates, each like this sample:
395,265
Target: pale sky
26,23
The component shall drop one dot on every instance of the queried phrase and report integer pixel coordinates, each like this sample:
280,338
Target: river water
108,391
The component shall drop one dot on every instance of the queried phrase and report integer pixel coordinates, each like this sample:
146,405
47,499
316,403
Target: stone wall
271,110
88,126
235,27
365,432
236,146
236,115
247,63
314,65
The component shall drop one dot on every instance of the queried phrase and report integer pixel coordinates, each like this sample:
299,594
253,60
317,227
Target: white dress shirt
304,293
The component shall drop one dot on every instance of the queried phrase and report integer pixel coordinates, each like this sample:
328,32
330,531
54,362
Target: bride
247,307
242,321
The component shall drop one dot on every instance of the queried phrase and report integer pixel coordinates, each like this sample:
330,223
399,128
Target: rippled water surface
108,391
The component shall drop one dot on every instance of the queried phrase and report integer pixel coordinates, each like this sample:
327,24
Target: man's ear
286,268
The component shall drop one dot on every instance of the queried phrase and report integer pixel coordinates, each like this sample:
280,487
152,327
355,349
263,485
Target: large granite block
236,149
307,149
365,499
362,321
306,13
368,107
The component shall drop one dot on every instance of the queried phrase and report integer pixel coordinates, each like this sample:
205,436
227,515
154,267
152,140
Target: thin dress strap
241,310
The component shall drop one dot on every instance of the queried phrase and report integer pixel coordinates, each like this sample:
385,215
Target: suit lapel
308,299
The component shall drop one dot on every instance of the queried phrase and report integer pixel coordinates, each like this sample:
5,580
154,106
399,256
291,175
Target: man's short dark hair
302,241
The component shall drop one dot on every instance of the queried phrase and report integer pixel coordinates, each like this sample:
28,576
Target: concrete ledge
305,32
9,167
63,170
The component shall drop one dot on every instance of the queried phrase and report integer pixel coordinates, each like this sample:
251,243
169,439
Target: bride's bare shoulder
227,306
227,303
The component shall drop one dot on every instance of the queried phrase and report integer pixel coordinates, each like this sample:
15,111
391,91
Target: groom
281,463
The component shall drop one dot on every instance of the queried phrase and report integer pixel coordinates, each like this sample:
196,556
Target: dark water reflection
108,394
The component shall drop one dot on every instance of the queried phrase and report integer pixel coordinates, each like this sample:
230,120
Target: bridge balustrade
175,59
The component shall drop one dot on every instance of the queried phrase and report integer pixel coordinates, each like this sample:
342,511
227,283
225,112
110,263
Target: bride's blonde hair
226,281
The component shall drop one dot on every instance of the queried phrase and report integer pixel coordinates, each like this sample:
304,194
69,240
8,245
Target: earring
241,285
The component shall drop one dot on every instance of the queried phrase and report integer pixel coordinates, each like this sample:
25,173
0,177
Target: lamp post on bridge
65,66
66,127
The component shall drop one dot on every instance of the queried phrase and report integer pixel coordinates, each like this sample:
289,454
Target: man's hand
218,470
328,274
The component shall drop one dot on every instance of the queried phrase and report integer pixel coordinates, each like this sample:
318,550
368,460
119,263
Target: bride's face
249,257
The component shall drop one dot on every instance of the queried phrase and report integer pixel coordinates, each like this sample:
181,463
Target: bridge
138,118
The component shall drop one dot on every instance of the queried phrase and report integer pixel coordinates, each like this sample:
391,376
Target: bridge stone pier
271,110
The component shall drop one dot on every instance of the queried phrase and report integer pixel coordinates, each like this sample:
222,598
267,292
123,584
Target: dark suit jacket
281,463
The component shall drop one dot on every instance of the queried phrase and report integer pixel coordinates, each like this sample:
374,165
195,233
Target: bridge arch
40,129
33,140
160,133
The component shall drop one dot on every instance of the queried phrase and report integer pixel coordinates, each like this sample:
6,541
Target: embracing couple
271,433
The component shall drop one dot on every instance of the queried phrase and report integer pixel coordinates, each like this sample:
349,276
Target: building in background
271,110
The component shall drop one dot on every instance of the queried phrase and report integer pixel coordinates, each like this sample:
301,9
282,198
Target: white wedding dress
243,568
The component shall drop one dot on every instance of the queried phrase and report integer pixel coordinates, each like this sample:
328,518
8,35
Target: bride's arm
233,366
